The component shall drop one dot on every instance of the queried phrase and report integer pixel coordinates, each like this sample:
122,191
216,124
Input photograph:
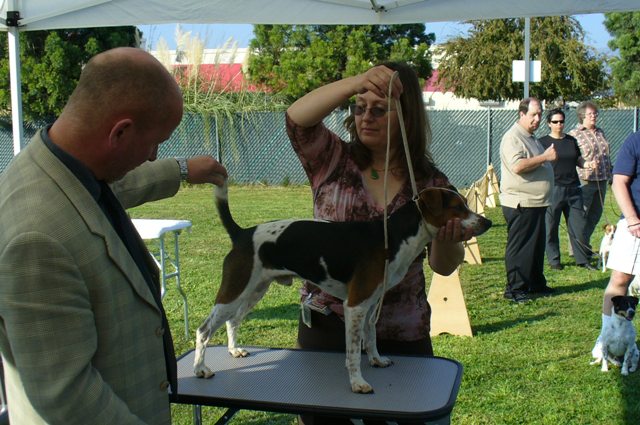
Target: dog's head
609,229
624,306
439,205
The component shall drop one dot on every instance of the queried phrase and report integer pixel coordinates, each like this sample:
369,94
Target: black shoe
587,266
556,266
545,290
517,297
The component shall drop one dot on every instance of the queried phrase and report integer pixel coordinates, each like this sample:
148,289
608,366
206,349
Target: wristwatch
184,170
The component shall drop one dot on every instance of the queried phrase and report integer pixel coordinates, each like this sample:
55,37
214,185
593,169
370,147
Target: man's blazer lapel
94,217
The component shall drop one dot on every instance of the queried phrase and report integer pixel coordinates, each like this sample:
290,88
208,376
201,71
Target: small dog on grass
605,245
619,337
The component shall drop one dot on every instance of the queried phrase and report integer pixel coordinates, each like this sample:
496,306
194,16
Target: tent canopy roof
48,14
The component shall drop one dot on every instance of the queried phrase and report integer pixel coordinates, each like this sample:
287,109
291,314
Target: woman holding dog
347,179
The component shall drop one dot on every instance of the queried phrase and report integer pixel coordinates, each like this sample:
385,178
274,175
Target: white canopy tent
31,15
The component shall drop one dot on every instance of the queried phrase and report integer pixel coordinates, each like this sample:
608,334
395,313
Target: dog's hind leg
241,311
220,313
370,341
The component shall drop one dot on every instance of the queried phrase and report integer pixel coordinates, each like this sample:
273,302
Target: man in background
525,192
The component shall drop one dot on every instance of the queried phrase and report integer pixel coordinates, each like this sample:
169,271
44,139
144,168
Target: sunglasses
557,121
376,111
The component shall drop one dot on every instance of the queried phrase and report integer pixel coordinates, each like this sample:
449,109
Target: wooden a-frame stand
448,309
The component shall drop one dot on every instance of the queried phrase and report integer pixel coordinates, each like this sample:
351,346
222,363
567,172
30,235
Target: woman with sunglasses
566,197
594,147
347,180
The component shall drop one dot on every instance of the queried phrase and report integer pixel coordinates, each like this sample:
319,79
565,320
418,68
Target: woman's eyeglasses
376,111
557,121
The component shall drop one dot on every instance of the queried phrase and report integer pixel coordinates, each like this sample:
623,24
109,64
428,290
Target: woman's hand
377,80
452,232
447,251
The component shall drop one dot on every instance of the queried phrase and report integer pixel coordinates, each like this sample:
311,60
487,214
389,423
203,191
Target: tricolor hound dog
345,259
619,336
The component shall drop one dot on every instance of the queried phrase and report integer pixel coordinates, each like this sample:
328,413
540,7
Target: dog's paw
238,352
595,361
361,387
203,372
380,362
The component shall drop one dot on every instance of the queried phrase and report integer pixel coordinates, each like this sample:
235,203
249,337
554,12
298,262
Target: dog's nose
630,314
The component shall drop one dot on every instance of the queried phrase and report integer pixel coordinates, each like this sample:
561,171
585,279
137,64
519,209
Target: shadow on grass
630,391
505,324
579,287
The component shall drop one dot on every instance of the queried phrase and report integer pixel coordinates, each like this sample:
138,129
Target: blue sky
215,35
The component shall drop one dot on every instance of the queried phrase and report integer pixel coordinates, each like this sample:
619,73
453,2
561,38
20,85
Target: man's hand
205,169
550,153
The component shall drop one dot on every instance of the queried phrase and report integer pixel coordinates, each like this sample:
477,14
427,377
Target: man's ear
119,132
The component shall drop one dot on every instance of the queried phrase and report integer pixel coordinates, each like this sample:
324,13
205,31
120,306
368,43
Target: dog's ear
431,199
634,301
616,299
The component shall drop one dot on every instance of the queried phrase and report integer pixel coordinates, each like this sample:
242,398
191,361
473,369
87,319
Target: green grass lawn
525,364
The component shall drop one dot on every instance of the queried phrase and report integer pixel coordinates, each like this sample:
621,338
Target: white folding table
150,229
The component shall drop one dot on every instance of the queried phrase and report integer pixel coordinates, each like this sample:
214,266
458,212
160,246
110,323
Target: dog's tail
222,203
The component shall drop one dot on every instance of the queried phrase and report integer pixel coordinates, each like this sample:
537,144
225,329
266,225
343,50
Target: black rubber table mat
299,381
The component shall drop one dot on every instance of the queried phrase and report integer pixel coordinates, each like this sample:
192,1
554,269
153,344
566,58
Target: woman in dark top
566,198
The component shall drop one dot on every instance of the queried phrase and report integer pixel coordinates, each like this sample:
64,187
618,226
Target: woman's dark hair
416,124
556,111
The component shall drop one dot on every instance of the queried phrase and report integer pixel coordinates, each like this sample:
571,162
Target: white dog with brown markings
345,259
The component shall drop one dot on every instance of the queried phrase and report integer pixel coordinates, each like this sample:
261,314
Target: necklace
375,174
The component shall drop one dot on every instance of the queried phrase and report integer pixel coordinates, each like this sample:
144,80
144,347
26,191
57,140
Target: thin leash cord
600,195
385,278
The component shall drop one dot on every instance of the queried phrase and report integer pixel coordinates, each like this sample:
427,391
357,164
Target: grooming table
300,381
150,229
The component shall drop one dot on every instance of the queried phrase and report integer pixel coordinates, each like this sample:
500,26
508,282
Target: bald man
83,335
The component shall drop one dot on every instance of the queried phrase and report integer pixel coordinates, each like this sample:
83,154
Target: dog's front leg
354,318
629,363
605,358
370,341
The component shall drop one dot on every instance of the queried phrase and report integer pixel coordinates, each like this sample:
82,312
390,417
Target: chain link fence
255,148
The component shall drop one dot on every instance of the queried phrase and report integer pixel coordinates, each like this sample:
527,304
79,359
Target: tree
625,68
51,64
295,59
480,66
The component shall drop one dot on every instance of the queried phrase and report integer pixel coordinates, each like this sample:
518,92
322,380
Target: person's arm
312,108
50,329
621,190
524,165
154,180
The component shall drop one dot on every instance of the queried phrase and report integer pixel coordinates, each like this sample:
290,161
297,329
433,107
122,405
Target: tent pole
527,58
13,38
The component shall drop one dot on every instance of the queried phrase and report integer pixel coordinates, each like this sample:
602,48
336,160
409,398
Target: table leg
182,294
197,414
